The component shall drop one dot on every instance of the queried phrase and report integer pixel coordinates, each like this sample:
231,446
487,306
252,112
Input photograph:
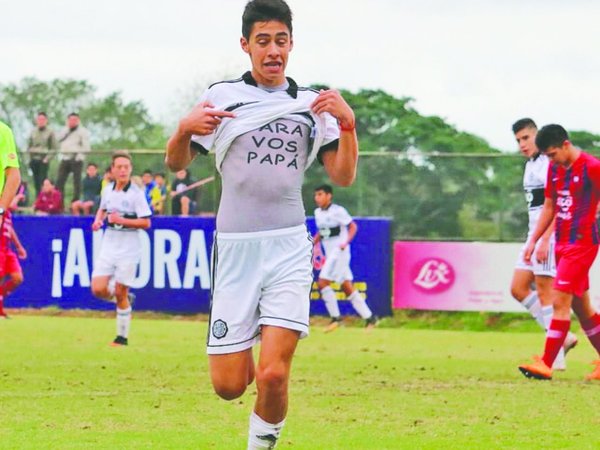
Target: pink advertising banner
461,276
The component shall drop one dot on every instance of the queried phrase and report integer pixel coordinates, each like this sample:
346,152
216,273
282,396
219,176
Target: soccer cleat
570,342
4,316
119,341
538,370
333,325
371,322
131,297
595,375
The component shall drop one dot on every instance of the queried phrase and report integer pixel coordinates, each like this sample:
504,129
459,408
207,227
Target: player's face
526,140
269,46
121,170
322,199
559,155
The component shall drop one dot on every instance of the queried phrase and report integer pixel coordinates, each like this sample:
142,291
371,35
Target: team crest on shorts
219,329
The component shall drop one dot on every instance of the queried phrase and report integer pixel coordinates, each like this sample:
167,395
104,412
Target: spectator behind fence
182,203
74,142
161,186
150,189
41,148
92,187
49,201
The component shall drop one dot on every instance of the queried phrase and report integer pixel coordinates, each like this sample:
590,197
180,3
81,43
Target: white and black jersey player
265,131
336,230
124,206
542,271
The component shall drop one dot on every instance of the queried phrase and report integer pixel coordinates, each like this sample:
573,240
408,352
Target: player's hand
343,246
22,253
542,251
331,101
115,218
203,119
96,225
529,248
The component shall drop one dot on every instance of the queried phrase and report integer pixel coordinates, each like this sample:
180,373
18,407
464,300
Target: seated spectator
92,186
152,192
49,201
182,203
161,186
107,178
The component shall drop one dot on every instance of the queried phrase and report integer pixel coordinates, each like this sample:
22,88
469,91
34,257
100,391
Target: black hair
42,113
523,123
264,11
552,135
160,174
120,154
147,171
73,114
325,188
92,164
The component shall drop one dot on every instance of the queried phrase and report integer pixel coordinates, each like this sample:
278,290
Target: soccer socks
123,321
331,303
359,304
555,338
591,328
559,362
533,305
262,434
7,287
2,313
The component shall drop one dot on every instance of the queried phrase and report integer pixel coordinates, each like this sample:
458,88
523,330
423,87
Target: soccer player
11,274
265,131
123,204
542,269
10,177
571,196
336,231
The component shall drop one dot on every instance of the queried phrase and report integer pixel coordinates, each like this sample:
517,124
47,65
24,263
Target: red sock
591,327
555,338
7,287
2,313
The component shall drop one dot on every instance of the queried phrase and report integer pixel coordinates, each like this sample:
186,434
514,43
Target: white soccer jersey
333,226
130,203
534,182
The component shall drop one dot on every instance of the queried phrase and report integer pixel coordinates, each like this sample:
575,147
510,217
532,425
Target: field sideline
63,387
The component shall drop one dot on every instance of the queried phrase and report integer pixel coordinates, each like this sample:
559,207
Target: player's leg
520,289
100,287
231,373
272,379
331,304
590,324
124,276
359,303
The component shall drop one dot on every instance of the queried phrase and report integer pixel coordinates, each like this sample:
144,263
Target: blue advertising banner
174,273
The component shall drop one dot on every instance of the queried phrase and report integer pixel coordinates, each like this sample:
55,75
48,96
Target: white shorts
547,269
259,278
337,265
119,256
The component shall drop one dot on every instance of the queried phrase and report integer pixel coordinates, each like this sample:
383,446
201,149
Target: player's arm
544,222
21,252
543,249
340,164
11,186
201,121
139,222
317,238
99,219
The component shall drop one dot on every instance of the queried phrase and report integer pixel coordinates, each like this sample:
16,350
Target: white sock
123,321
262,434
533,305
330,300
360,305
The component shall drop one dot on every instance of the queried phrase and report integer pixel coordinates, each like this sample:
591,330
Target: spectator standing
50,200
74,142
41,147
92,187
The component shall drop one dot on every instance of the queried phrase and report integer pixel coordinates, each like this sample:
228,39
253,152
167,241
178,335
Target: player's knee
518,292
17,278
230,389
273,376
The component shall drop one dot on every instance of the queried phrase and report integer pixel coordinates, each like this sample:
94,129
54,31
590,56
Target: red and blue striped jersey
575,192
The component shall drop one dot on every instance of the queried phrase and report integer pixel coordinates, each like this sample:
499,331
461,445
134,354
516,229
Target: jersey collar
292,89
127,186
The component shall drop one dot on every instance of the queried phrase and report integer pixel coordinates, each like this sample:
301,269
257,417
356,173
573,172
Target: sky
480,65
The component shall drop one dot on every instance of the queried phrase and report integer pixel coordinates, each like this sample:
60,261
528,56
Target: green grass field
63,387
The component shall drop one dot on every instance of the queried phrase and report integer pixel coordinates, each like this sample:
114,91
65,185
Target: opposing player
542,269
265,131
336,231
11,274
124,207
571,196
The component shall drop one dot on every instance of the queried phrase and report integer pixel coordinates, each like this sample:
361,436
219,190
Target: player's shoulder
336,207
5,129
226,84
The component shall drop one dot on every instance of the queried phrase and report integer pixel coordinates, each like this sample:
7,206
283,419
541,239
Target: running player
572,194
10,180
11,274
336,231
124,206
265,131
542,269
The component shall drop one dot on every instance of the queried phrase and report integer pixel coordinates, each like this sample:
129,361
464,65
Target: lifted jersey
534,182
333,226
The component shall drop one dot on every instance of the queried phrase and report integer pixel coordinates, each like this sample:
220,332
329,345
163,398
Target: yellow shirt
8,152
